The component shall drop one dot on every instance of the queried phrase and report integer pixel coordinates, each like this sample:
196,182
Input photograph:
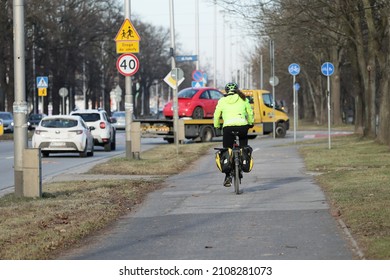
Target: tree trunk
384,111
335,86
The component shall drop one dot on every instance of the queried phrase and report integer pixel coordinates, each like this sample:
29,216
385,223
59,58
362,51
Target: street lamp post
20,104
128,95
103,87
173,66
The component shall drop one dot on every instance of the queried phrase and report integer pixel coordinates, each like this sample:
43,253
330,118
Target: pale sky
156,12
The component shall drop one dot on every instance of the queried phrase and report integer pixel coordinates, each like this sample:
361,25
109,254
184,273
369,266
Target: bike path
281,214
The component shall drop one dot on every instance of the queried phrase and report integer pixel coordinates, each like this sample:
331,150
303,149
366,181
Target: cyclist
237,115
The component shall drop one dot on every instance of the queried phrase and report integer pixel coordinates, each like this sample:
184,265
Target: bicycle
236,171
235,168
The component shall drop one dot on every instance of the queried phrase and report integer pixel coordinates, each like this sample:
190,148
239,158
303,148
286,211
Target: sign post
127,41
63,92
294,70
327,69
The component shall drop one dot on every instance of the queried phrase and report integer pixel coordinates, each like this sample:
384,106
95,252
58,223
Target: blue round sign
197,75
327,69
294,69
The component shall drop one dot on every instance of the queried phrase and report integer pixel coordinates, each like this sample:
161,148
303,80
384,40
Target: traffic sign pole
294,70
328,98
327,69
128,97
295,110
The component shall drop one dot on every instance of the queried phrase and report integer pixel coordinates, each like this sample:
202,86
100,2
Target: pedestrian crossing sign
127,32
42,82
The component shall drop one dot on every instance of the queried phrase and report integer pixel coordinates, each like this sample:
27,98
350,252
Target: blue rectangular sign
195,84
182,58
42,82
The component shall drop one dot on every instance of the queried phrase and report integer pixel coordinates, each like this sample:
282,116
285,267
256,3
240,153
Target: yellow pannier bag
224,159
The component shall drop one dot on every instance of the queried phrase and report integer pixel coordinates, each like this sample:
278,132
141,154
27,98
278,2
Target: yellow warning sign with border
127,47
42,91
127,32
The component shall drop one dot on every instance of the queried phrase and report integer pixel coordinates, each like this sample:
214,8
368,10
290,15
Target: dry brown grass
163,160
355,176
69,211
40,228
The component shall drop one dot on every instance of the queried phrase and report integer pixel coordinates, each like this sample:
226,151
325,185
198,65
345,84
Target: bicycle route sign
294,69
327,69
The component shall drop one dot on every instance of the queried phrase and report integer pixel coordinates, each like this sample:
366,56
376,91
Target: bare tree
354,35
6,57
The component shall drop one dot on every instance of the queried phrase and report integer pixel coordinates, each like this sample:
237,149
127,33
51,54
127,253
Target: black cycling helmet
231,87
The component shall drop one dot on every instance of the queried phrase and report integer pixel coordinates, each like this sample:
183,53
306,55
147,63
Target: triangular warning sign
127,32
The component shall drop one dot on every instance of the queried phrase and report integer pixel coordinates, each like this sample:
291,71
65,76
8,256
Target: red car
196,103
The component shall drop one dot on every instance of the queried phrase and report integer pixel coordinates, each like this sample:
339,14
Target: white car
120,117
63,134
103,132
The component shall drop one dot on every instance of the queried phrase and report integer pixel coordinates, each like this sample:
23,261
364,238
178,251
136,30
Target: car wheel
107,147
90,154
113,143
206,134
198,113
280,130
85,152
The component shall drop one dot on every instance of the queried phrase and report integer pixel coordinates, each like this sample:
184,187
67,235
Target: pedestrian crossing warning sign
42,82
127,32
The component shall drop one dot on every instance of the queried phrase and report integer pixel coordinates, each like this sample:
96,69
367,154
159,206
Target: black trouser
228,137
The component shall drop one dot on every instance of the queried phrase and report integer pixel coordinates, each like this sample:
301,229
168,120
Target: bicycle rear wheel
236,175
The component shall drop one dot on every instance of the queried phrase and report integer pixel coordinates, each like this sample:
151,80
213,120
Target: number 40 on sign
127,64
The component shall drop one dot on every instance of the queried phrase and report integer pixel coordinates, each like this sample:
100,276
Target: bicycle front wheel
237,177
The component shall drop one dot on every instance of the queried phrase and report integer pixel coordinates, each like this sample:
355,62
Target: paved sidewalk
282,214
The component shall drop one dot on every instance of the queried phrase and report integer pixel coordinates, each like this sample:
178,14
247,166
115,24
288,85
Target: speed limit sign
127,64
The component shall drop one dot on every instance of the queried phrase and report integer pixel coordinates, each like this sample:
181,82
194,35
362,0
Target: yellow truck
262,105
204,131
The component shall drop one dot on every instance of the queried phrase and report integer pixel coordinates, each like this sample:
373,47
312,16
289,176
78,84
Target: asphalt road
281,214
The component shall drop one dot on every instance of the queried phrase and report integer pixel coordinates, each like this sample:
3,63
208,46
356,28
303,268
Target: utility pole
272,56
215,44
197,33
34,91
20,104
173,66
103,87
128,95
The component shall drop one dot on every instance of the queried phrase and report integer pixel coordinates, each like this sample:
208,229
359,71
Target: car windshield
35,117
118,114
5,116
59,123
187,93
268,101
88,117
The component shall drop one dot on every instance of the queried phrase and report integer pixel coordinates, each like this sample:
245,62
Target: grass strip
32,229
355,175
